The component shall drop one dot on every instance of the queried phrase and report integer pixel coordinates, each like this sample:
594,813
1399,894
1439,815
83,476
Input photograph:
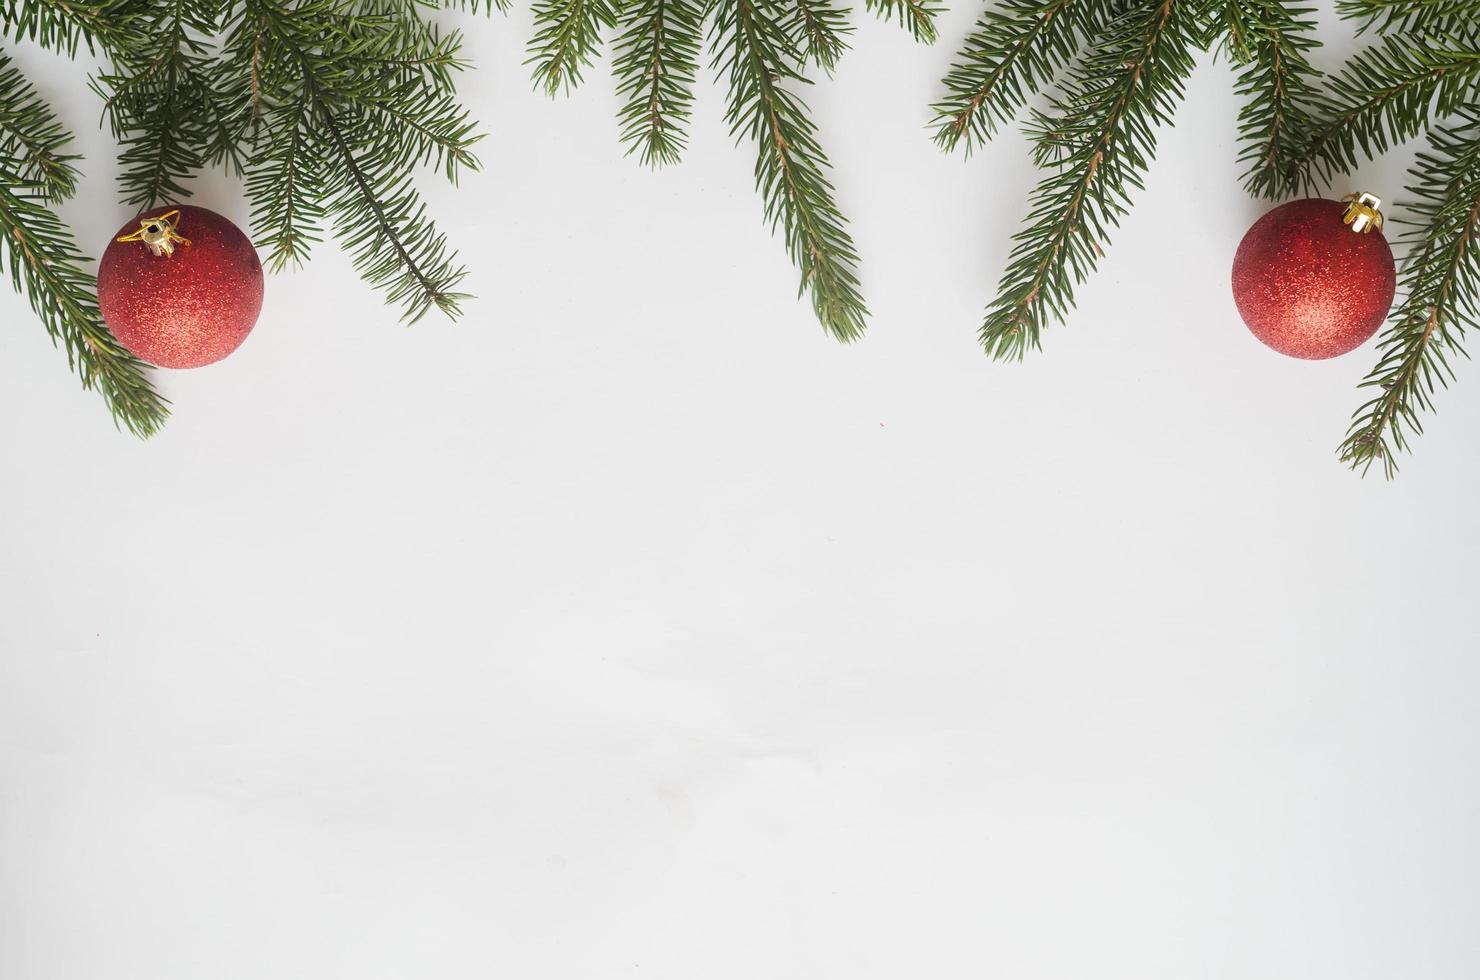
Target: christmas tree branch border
324,106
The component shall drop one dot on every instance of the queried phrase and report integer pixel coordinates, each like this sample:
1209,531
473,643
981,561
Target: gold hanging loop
159,234
1362,213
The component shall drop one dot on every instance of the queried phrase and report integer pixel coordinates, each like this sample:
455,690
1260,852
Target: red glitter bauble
180,287
1310,286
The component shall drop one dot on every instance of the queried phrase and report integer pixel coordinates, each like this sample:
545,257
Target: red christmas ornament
1315,278
180,287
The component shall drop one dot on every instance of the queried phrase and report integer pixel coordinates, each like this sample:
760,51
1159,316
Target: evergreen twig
45,264
1385,96
1432,17
162,103
346,101
326,107
1440,286
568,38
657,59
287,181
1016,47
755,44
822,29
1097,142
65,25
915,16
1270,40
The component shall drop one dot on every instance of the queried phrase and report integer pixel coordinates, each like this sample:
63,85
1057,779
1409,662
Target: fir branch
915,16
390,35
1098,141
350,99
286,182
1015,48
568,38
753,43
162,105
1411,16
426,128
822,31
381,221
33,141
45,263
1277,84
397,70
1440,286
477,6
657,60
1383,97
65,25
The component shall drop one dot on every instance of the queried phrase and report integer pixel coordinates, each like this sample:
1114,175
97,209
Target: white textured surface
632,628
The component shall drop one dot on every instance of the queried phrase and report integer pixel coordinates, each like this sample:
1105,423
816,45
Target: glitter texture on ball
177,304
1308,285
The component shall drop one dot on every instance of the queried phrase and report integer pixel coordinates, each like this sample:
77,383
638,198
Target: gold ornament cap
159,234
1362,212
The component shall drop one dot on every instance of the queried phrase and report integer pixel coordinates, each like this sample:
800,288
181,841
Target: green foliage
656,64
1096,142
1424,74
1412,16
1384,97
44,262
1269,40
325,107
762,50
755,47
33,141
822,30
915,16
1120,65
162,103
1015,49
341,102
64,25
1440,286
569,36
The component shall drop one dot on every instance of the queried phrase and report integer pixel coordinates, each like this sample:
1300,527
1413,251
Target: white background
632,627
